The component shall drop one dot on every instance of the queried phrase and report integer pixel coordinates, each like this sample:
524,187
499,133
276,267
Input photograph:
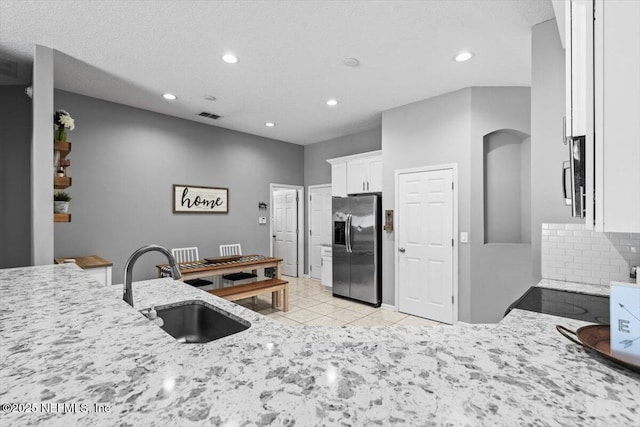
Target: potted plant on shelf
61,201
62,121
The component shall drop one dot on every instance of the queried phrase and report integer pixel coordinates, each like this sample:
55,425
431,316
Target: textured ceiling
291,55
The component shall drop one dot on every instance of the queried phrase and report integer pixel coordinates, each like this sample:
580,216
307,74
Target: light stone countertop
66,339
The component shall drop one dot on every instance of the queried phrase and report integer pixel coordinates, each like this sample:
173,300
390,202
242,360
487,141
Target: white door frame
308,237
301,234
454,169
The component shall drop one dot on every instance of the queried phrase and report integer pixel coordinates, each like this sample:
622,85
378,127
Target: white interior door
285,214
425,244
319,227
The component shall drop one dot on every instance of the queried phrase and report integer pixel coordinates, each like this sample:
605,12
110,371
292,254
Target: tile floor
312,304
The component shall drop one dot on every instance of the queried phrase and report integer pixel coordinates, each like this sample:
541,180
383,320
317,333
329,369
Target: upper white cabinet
579,98
602,41
339,179
364,175
357,176
375,173
360,173
617,115
579,66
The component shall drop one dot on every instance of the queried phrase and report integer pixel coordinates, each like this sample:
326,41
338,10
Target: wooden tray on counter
596,338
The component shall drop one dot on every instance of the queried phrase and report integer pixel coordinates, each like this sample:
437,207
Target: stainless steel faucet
128,269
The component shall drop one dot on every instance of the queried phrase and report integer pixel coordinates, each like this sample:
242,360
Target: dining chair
185,254
189,255
230,250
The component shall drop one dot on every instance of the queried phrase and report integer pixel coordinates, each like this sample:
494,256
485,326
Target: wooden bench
273,286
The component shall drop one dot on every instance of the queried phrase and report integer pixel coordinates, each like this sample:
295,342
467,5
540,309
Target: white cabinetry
375,173
579,66
364,175
602,42
617,115
96,267
339,179
579,98
326,275
360,173
357,176
101,274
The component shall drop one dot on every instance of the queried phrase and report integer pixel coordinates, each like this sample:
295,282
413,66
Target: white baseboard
388,307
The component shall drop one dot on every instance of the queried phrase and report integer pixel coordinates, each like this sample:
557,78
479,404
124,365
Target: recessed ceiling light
169,96
351,62
332,102
269,124
230,59
463,56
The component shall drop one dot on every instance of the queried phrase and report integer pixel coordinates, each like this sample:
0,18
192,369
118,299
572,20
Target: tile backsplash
574,254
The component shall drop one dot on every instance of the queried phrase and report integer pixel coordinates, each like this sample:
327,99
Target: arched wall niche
507,187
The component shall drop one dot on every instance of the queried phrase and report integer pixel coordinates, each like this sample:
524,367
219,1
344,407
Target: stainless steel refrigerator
357,248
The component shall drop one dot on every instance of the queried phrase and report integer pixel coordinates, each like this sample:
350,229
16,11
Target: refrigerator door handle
348,234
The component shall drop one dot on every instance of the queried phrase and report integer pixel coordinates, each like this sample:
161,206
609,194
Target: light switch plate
464,237
262,220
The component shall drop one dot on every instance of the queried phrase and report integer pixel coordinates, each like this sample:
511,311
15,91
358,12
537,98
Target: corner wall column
42,158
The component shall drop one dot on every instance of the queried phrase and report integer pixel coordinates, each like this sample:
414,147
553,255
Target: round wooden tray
596,338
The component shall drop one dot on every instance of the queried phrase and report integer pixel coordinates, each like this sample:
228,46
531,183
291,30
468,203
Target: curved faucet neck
128,269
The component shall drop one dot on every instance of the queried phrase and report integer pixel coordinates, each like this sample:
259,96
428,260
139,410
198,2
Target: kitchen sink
199,322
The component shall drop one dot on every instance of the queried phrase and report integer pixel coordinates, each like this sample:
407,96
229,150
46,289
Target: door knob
401,250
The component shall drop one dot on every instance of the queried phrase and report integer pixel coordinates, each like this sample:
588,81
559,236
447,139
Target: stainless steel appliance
574,195
357,248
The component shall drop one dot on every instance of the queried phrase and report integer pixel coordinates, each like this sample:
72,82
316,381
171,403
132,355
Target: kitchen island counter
68,340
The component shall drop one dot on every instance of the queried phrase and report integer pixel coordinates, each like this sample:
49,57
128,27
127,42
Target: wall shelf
61,182
61,217
64,147
61,150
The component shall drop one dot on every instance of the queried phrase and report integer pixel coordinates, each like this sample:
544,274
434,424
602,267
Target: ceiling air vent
209,115
8,68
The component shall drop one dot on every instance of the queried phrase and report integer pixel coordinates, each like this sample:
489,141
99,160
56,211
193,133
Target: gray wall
547,150
318,171
124,162
450,129
499,273
42,158
15,177
430,132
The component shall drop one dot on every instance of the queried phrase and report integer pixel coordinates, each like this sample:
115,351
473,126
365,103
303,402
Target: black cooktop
574,305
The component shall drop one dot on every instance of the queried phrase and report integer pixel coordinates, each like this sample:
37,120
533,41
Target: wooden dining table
224,265
221,266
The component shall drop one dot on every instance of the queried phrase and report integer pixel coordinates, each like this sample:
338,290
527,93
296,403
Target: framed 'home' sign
195,199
